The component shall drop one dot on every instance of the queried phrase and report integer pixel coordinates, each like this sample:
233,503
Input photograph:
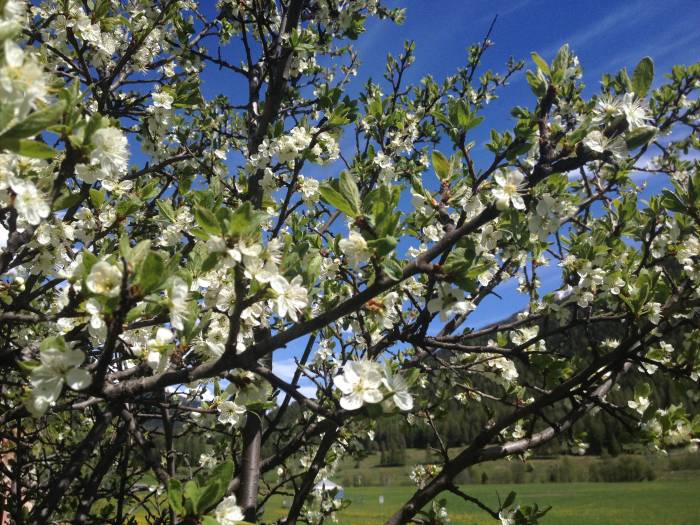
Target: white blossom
309,188
59,366
162,100
291,298
359,383
227,512
607,107
230,413
599,143
355,249
509,189
158,349
104,279
398,390
109,157
30,203
177,302
449,301
22,80
635,110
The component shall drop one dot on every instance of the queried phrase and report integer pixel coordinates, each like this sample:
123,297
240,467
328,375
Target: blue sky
607,35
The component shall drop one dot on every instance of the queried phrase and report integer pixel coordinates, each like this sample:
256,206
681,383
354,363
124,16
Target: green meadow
670,494
667,502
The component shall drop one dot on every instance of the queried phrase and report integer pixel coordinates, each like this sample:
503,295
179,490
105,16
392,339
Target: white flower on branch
177,302
59,366
309,188
227,512
449,301
607,107
398,391
635,109
291,298
509,189
29,202
109,158
158,349
104,279
355,249
230,413
359,383
599,143
22,81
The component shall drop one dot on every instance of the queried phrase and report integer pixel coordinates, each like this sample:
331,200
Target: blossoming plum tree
159,246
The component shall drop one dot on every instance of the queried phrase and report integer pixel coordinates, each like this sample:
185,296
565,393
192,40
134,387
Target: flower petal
78,378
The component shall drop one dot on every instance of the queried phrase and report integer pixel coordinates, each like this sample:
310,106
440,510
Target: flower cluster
366,382
59,365
421,475
109,157
319,146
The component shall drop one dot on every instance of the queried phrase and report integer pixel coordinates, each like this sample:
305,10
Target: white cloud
284,369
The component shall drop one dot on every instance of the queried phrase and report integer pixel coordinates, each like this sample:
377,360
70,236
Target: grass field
642,503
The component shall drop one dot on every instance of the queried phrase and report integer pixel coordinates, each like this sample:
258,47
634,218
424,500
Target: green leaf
208,520
67,200
383,246
192,492
624,78
561,61
349,190
89,260
411,376
36,122
166,209
127,206
244,221
175,496
672,201
210,261
207,221
96,122
642,390
28,148
643,76
97,197
640,136
331,195
392,269
510,499
9,29
209,496
540,62
441,165
139,252
222,474
538,84
380,206
53,342
474,121
312,268
150,274
7,113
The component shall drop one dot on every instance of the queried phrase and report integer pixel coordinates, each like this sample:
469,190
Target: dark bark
92,485
252,441
308,481
59,485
